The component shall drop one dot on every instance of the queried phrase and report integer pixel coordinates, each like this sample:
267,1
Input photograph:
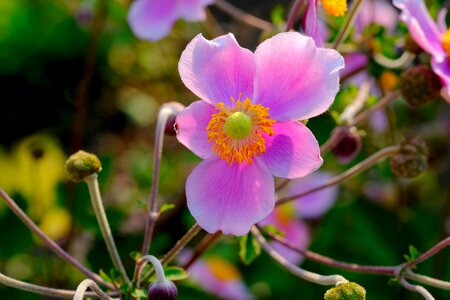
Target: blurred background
73,76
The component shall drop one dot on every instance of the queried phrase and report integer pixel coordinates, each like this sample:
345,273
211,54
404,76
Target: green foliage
250,249
413,254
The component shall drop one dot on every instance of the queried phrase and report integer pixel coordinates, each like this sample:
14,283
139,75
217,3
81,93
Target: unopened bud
419,85
82,164
410,45
412,159
346,291
166,290
349,146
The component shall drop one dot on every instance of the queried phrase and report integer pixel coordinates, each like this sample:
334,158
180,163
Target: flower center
446,41
237,132
335,8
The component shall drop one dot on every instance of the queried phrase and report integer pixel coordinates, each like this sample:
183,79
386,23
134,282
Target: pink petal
421,26
294,78
379,12
295,231
193,10
292,151
313,205
353,62
217,70
191,128
229,198
442,69
442,15
152,20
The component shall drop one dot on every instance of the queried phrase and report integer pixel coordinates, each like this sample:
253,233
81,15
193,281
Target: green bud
82,164
419,85
412,159
346,291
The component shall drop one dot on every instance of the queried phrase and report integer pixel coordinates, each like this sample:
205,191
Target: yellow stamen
237,132
446,41
335,8
221,269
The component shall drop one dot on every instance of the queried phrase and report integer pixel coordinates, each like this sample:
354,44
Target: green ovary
238,126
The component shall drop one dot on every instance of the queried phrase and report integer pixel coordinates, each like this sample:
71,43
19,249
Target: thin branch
293,14
345,28
416,288
242,16
37,289
441,284
297,271
360,167
435,249
204,244
88,283
379,105
49,242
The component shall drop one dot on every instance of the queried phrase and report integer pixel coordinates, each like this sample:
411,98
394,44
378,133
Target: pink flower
153,19
245,127
433,38
219,277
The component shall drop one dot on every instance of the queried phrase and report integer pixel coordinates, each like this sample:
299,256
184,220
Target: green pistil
238,126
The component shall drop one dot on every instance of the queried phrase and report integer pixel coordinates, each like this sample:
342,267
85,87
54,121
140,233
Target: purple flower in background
379,12
153,19
432,37
245,127
219,277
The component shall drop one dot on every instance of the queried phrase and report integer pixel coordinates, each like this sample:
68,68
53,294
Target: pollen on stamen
446,41
335,8
243,141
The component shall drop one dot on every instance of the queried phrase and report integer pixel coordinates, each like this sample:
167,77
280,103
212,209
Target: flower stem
360,167
94,192
157,267
204,245
49,242
445,285
293,14
88,283
435,249
416,288
167,110
242,16
37,289
345,28
297,271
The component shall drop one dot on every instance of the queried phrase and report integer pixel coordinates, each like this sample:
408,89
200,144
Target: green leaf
135,255
273,230
139,294
105,276
413,254
165,207
249,249
175,273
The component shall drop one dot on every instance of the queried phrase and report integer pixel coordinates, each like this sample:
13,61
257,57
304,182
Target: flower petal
313,205
292,151
191,128
152,20
421,26
294,78
217,70
229,198
442,69
193,10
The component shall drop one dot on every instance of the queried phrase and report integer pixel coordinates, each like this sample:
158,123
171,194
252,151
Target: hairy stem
416,288
88,283
49,242
157,267
97,204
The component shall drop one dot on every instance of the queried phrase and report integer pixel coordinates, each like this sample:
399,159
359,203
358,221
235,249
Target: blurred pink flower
379,12
432,37
219,277
245,142
153,19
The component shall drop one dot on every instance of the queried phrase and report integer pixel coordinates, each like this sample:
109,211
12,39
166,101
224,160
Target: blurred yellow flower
56,222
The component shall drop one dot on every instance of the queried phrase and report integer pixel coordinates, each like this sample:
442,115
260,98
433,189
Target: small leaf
165,207
141,204
105,276
413,254
175,273
135,255
139,294
114,274
249,249
273,230
394,282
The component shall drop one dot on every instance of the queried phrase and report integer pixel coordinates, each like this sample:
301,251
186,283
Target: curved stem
440,284
401,62
416,288
293,14
97,204
242,16
297,271
362,166
345,28
160,276
37,289
166,110
84,285
49,242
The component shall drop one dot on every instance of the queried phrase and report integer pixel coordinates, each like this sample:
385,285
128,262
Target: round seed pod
419,85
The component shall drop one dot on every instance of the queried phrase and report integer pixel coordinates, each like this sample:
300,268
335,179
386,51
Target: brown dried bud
412,159
410,45
348,147
346,291
82,164
419,85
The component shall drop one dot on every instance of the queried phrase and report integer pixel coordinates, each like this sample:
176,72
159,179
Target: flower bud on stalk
346,291
419,85
348,147
82,164
412,159
162,291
